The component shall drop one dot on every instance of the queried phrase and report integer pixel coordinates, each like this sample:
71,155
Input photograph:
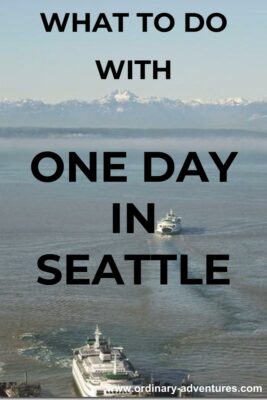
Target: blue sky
57,66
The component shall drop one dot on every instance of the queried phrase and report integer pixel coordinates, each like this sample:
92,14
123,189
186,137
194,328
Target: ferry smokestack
97,336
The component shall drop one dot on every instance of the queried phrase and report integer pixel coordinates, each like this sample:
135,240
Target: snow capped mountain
125,109
126,96
118,97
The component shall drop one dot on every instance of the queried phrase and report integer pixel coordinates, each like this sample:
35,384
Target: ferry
170,224
102,370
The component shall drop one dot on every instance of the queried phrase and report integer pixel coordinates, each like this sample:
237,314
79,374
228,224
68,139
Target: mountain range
123,109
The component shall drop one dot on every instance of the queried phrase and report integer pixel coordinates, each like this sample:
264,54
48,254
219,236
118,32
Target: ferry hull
90,390
169,231
84,390
102,370
169,225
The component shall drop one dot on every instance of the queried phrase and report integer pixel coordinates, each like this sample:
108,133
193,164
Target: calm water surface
217,334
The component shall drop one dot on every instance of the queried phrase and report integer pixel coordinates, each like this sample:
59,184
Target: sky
61,66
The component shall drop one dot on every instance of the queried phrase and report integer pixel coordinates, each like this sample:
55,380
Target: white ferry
169,225
102,370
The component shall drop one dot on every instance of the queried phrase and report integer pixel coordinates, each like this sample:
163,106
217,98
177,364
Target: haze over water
218,334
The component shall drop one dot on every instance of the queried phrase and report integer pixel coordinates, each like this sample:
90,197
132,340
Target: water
217,334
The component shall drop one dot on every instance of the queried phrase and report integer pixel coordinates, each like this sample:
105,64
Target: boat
170,224
102,370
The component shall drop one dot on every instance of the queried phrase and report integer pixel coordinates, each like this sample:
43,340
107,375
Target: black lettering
114,274
223,167
219,28
130,69
76,22
148,176
166,70
164,259
108,167
186,171
120,17
171,22
211,269
148,223
102,22
110,69
71,269
51,270
116,218
89,171
40,157
184,273
137,259
144,17
143,64
188,22
54,20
